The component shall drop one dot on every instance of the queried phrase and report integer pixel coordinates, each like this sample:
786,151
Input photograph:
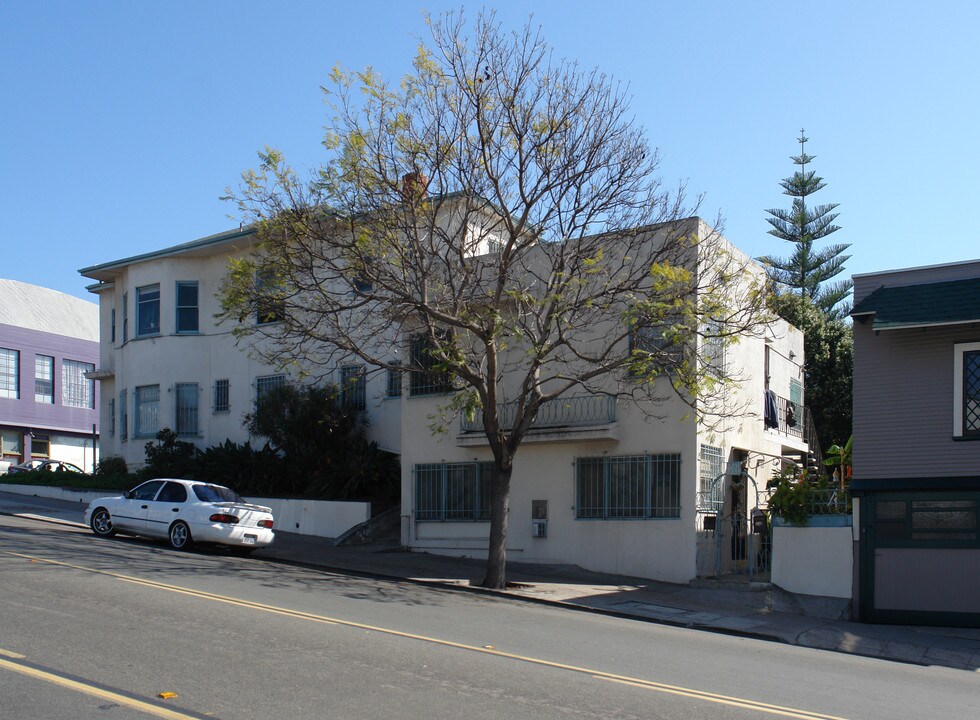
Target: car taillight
224,518
265,524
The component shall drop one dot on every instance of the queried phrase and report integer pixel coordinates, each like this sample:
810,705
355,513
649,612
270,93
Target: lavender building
48,342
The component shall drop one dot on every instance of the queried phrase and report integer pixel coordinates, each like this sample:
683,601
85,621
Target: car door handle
144,507
174,509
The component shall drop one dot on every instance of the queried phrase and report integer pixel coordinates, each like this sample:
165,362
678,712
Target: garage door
920,558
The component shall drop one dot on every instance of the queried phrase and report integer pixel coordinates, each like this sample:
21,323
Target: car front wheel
180,536
102,523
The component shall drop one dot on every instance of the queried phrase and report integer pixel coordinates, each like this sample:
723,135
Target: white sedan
183,512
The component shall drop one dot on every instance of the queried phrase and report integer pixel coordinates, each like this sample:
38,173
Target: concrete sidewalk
756,610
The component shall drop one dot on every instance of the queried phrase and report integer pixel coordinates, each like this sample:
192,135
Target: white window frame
959,350
77,390
10,373
44,373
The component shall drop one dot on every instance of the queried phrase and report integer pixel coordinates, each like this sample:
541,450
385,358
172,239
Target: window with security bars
77,390
429,379
186,409
453,491
44,379
628,486
112,417
222,396
146,408
712,465
266,384
971,393
9,374
353,387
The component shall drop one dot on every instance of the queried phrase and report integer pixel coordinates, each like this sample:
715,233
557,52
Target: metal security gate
734,539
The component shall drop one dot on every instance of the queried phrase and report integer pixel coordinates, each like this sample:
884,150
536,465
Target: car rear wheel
102,523
180,536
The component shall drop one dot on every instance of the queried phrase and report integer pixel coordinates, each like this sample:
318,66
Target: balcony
564,419
794,422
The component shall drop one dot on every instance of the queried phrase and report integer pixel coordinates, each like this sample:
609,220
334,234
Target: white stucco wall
813,560
323,518
213,353
661,548
544,469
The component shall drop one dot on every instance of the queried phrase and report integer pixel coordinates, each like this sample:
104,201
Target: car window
148,490
173,493
216,493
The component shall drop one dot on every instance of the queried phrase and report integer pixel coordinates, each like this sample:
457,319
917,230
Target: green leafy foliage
112,465
799,495
317,448
240,466
169,457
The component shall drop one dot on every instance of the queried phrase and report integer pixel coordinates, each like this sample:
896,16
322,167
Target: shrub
112,465
169,457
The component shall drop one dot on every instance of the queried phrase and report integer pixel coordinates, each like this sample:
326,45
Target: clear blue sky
121,122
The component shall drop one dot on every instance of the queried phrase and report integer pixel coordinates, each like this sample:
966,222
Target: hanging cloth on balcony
772,412
790,414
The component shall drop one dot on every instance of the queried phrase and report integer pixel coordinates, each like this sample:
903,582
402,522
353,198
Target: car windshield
216,494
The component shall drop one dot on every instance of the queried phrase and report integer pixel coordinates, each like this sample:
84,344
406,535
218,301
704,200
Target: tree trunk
496,576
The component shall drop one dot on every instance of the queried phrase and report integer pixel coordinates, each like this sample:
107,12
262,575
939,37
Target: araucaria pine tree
808,270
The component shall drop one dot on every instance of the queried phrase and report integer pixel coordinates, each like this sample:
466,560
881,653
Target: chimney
414,187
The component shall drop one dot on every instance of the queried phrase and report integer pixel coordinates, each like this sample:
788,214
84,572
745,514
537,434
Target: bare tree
494,225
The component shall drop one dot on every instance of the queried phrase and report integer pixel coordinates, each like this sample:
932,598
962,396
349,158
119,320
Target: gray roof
952,302
105,272
39,308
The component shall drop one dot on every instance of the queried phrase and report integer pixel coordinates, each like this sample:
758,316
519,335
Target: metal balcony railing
562,412
790,417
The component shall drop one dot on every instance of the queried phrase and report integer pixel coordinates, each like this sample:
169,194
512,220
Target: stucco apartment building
48,342
687,491
612,484
166,362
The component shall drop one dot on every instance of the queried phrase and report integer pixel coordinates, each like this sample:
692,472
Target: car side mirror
128,494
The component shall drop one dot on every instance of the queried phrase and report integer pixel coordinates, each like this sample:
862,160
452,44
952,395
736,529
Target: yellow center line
729,700
97,692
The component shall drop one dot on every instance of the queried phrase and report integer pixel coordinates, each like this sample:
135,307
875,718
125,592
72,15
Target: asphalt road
94,628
